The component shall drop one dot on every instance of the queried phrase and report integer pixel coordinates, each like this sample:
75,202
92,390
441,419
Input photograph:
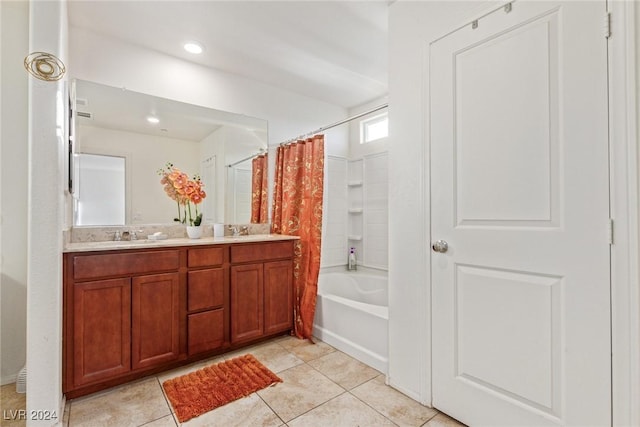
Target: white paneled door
520,195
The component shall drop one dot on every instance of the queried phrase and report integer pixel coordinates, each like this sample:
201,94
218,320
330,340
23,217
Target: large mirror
122,138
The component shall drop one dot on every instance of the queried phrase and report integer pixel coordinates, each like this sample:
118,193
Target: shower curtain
297,211
259,190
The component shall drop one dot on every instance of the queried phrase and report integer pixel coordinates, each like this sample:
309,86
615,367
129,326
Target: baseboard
8,379
61,414
413,395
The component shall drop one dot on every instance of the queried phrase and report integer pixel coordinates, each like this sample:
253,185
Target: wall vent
84,115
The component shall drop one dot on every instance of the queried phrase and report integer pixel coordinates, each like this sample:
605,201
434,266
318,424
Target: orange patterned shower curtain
259,190
297,211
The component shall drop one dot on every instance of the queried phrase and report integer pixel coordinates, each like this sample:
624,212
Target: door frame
624,175
624,205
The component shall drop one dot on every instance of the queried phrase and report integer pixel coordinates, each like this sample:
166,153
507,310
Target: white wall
14,39
145,154
47,102
412,25
114,63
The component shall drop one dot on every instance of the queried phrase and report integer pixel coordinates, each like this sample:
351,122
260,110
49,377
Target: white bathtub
352,315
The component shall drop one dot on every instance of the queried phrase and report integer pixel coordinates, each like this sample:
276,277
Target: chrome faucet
244,230
234,230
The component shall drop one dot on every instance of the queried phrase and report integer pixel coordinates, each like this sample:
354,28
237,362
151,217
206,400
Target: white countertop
168,243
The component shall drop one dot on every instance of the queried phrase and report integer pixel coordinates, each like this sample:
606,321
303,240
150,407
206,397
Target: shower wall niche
356,211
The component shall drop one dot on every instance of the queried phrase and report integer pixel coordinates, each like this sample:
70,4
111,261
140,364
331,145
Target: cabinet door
278,296
247,302
101,330
156,321
206,331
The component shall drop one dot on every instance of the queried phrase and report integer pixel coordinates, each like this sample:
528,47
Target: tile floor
322,387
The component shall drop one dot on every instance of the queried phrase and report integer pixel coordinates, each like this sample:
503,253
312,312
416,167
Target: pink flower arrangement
184,191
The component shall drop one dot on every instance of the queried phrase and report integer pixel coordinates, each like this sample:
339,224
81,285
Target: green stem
190,218
178,203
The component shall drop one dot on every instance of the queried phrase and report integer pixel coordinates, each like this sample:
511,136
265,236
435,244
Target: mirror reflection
146,132
101,199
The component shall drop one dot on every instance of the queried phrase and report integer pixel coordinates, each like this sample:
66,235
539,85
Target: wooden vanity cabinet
261,290
124,324
121,314
129,313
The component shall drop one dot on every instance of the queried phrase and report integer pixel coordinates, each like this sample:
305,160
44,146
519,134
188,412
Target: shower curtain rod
322,129
259,153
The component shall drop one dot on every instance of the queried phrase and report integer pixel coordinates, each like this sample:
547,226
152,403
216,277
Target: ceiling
124,110
335,51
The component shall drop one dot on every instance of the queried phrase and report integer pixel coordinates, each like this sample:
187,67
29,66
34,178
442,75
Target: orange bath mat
216,385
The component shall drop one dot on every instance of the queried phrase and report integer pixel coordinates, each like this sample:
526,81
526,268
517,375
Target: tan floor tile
65,415
187,369
306,350
133,404
303,388
242,351
288,341
166,421
248,411
344,411
12,405
343,369
442,420
275,357
399,408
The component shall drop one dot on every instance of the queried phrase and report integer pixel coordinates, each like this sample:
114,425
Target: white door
520,192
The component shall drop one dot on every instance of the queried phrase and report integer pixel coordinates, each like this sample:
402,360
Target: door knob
440,246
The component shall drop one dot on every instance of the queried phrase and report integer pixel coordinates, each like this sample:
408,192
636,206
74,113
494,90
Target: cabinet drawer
205,257
261,251
206,331
120,264
206,289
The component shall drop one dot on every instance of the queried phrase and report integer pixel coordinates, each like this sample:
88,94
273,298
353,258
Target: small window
374,128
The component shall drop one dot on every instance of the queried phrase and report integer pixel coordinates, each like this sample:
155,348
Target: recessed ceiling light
153,120
193,47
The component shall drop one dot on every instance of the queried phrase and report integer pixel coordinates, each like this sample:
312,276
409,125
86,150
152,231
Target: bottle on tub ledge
352,263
